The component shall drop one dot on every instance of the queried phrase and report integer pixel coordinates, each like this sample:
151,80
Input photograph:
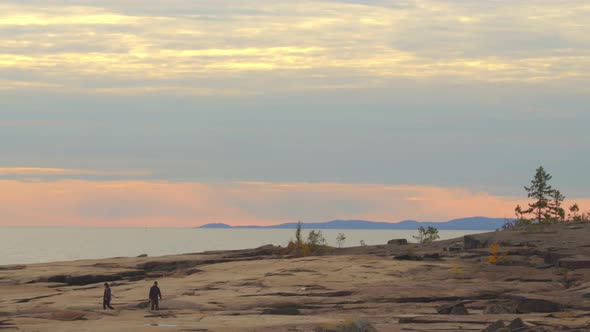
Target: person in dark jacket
155,296
106,298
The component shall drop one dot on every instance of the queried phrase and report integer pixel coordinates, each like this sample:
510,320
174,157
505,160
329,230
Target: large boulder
495,327
517,325
471,242
399,242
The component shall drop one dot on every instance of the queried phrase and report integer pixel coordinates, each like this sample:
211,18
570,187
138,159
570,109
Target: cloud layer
219,48
267,111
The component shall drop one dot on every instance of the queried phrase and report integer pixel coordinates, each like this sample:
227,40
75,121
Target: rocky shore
535,279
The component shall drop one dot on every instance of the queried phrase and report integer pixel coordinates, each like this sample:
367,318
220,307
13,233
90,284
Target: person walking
106,298
155,296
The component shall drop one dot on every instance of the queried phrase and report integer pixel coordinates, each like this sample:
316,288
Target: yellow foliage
494,248
457,272
493,258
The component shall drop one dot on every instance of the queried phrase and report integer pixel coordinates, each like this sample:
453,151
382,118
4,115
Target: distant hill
472,223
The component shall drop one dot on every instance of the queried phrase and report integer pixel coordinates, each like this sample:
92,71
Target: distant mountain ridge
471,223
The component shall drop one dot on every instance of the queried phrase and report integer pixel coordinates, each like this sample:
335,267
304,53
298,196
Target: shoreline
30,246
392,287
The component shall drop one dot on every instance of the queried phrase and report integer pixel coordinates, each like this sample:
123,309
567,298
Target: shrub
458,272
427,235
340,239
315,239
363,244
298,248
495,257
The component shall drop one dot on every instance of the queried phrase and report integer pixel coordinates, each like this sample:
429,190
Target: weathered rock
83,280
67,316
575,263
545,329
499,308
495,327
407,257
471,242
517,325
282,309
6,324
552,257
459,310
399,242
357,325
143,304
453,308
526,305
432,256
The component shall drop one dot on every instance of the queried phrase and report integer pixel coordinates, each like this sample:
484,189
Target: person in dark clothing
155,296
106,298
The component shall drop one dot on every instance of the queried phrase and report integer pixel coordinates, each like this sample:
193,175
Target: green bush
340,239
315,239
315,243
427,235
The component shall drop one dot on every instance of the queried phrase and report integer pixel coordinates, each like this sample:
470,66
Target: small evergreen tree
574,210
547,205
556,212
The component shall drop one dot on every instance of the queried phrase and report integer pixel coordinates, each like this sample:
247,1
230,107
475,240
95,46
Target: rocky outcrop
528,305
88,279
283,309
471,242
495,327
399,242
453,308
408,257
517,325
523,305
425,257
500,309
575,263
357,325
67,315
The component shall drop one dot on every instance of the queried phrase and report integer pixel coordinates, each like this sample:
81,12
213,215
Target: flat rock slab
575,263
67,315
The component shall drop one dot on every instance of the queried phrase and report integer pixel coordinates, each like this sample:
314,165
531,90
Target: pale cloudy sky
178,112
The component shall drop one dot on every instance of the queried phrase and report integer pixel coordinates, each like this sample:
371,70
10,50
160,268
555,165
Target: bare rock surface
453,286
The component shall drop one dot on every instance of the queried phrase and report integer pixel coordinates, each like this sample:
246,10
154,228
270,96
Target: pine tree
574,210
556,212
547,206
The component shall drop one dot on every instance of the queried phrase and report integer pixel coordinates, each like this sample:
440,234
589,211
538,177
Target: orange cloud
185,204
28,171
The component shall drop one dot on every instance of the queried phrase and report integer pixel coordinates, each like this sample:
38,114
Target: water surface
23,245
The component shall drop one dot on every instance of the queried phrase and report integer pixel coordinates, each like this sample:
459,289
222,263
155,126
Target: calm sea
23,245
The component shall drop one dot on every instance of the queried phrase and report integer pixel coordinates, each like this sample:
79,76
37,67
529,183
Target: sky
178,113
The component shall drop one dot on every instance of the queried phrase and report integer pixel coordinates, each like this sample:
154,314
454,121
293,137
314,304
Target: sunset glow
180,113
